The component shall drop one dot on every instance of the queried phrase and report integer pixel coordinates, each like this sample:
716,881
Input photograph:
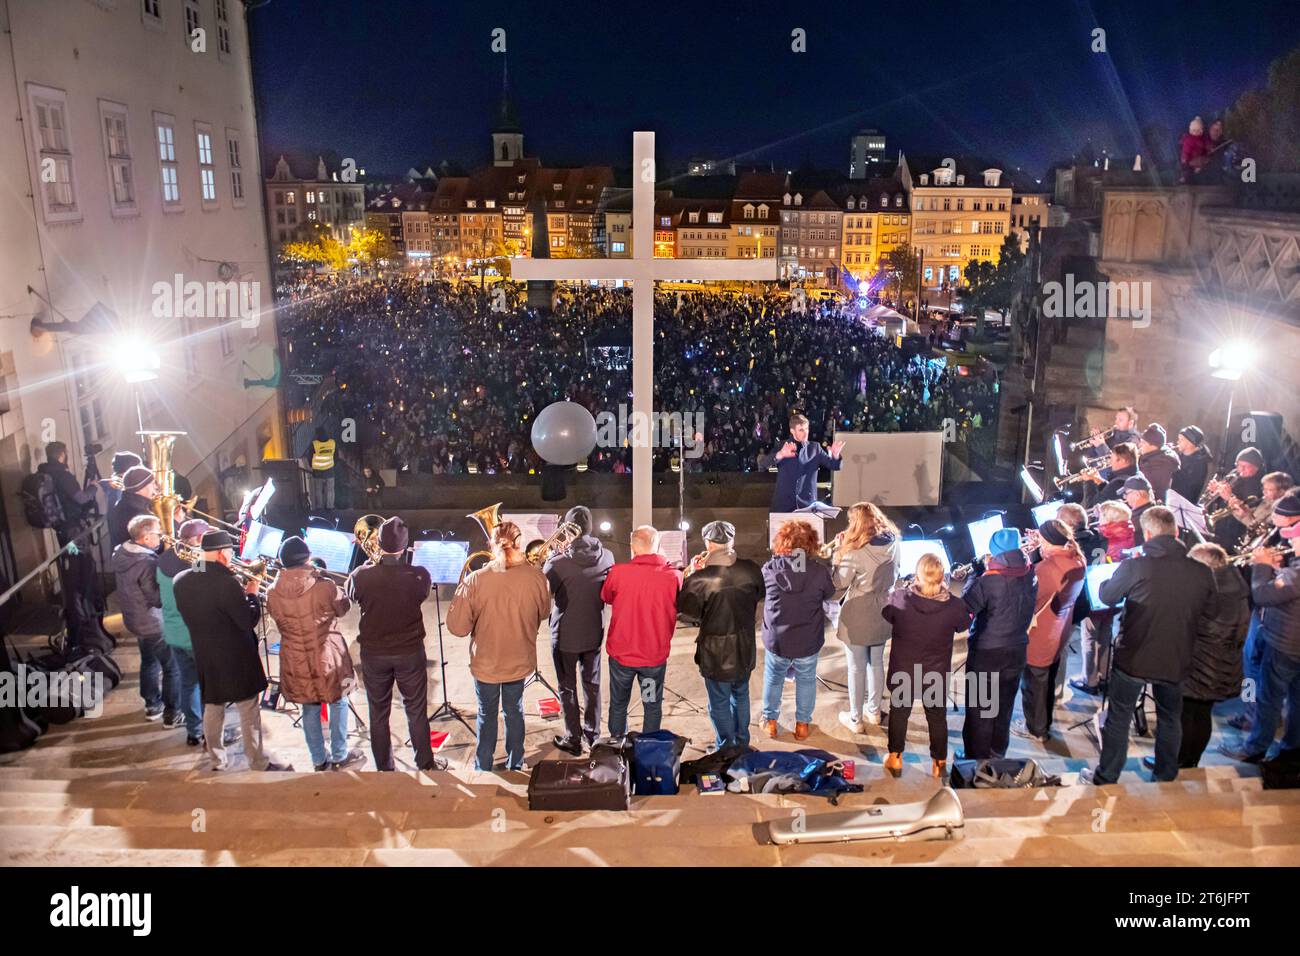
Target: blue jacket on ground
796,477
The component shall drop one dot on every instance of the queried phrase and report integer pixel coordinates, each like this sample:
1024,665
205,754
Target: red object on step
324,713
437,738
850,770
549,707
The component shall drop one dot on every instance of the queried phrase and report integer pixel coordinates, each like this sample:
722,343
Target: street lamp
138,363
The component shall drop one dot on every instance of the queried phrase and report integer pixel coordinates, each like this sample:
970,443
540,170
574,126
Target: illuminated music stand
443,560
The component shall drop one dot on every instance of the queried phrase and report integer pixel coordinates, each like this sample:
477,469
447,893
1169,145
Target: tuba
366,533
165,503
488,518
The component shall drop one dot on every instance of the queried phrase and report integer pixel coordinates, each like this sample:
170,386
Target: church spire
507,122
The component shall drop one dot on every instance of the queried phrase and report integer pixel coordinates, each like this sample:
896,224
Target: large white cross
642,269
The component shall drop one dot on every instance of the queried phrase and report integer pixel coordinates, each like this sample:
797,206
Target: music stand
443,560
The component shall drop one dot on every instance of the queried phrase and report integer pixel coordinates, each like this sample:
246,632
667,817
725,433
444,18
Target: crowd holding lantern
452,377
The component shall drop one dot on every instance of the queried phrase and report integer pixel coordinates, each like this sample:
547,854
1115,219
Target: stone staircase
149,817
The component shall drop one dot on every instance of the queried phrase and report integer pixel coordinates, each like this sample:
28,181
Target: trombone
1285,550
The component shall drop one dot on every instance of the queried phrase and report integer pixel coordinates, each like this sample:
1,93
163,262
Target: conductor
796,468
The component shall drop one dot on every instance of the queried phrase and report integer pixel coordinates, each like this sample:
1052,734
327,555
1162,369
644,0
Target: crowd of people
448,377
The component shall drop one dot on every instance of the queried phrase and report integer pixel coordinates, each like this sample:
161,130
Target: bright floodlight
1231,360
137,362
605,526
684,525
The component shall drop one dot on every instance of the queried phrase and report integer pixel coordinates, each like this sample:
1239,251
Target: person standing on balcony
322,470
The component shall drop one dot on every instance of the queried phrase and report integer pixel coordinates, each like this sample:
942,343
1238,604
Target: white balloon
564,433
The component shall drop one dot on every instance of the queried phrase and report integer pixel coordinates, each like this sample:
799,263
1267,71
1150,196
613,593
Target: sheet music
533,526
776,519
672,545
1187,514
442,559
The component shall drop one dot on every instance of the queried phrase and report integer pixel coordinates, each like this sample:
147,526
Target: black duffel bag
999,773
601,782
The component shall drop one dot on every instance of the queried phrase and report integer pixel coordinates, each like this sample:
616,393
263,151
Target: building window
166,132
290,197
961,205
227,343
236,169
193,21
152,10
223,27
618,246
54,153
207,168
117,151
947,204
715,217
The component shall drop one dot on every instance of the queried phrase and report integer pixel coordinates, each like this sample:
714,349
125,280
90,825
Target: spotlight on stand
1232,360
606,527
684,525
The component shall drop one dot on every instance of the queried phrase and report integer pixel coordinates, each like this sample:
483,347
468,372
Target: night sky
396,82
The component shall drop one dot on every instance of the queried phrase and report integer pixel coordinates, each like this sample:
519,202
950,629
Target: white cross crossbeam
642,269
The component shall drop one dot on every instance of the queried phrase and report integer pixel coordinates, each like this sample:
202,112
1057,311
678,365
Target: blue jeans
311,729
805,685
191,703
729,711
160,677
650,680
866,678
508,698
1279,683
1124,693
1251,655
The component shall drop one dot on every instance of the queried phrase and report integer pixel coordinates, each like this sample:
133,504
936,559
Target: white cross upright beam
642,269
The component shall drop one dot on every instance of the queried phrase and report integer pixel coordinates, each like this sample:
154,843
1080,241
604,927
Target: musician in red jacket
642,595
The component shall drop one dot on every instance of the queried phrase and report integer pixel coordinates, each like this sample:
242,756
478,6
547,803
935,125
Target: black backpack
41,504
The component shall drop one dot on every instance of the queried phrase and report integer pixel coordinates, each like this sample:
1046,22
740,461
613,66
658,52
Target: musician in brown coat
315,666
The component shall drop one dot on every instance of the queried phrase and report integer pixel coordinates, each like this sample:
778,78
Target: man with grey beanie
576,576
722,592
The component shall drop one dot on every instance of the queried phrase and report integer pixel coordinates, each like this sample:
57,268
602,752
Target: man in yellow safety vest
322,471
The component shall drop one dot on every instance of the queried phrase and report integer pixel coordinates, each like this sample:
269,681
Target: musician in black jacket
1168,598
1137,494
138,490
1244,490
1108,483
722,592
1156,461
1193,463
220,616
1123,431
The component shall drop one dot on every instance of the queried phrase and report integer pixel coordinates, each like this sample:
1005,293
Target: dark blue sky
393,82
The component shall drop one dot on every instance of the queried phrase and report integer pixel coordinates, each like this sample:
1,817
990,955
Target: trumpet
1286,550
830,547
1085,442
696,563
1208,497
1214,517
1087,473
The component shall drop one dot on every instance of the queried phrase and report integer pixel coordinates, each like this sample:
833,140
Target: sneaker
153,713
174,720
1149,763
856,726
278,767
355,758
1079,685
1088,776
199,741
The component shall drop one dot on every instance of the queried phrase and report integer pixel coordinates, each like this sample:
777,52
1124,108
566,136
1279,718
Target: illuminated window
166,132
